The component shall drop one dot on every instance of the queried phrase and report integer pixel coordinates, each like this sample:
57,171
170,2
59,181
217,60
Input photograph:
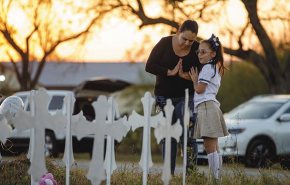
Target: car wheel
50,146
259,154
285,162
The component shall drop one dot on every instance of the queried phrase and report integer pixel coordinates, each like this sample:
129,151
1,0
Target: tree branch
242,34
149,21
14,66
272,61
252,57
53,47
11,41
28,38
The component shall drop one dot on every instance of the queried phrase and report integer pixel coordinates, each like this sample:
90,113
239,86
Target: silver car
259,132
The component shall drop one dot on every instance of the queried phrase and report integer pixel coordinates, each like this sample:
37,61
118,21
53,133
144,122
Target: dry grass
14,172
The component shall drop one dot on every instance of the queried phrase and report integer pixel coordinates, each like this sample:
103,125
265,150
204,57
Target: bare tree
49,27
271,55
48,23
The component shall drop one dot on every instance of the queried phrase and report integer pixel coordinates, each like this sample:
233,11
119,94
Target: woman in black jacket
170,61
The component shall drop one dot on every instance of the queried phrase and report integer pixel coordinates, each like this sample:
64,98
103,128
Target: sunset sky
110,43
117,35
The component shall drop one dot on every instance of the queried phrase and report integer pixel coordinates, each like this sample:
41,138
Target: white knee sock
220,164
213,163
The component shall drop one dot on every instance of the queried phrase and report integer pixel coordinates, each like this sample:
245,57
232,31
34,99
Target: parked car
259,132
85,94
54,143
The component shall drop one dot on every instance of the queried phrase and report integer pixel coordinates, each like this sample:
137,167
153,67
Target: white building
68,75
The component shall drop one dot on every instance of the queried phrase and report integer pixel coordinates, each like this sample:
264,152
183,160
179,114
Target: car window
287,111
56,103
23,98
28,107
254,110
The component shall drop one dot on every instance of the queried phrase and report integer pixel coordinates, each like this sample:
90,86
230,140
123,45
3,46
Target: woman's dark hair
218,60
189,25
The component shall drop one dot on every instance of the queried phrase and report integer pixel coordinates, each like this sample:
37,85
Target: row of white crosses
100,127
5,128
40,119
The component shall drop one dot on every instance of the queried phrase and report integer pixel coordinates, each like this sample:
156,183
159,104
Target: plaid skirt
210,121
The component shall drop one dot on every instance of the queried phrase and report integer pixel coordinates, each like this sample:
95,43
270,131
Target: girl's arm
198,87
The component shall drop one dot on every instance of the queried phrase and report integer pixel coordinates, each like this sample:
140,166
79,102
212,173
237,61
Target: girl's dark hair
189,25
218,60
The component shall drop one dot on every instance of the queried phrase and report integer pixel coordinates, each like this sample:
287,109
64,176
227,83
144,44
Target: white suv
259,132
85,94
54,143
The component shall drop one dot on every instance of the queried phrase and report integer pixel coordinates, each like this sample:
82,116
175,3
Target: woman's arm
152,65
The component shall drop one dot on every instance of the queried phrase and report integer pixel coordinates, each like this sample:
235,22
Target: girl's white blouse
213,84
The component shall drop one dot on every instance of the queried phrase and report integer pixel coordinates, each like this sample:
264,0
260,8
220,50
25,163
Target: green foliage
132,143
5,90
240,83
129,99
283,54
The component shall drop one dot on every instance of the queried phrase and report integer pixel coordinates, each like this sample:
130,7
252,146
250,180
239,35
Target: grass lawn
157,159
19,165
125,158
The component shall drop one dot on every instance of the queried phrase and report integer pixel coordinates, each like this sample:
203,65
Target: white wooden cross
166,130
32,133
5,129
99,129
146,121
185,128
110,162
39,122
68,157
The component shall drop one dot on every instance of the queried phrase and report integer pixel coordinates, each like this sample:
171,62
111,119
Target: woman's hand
174,71
182,74
180,71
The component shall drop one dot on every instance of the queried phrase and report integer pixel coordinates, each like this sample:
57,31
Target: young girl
210,123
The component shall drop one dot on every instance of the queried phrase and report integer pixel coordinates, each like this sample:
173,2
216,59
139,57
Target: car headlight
236,130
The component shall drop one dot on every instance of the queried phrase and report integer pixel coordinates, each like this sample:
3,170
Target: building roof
72,74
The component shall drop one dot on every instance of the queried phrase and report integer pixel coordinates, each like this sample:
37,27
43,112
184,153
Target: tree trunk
25,76
282,86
